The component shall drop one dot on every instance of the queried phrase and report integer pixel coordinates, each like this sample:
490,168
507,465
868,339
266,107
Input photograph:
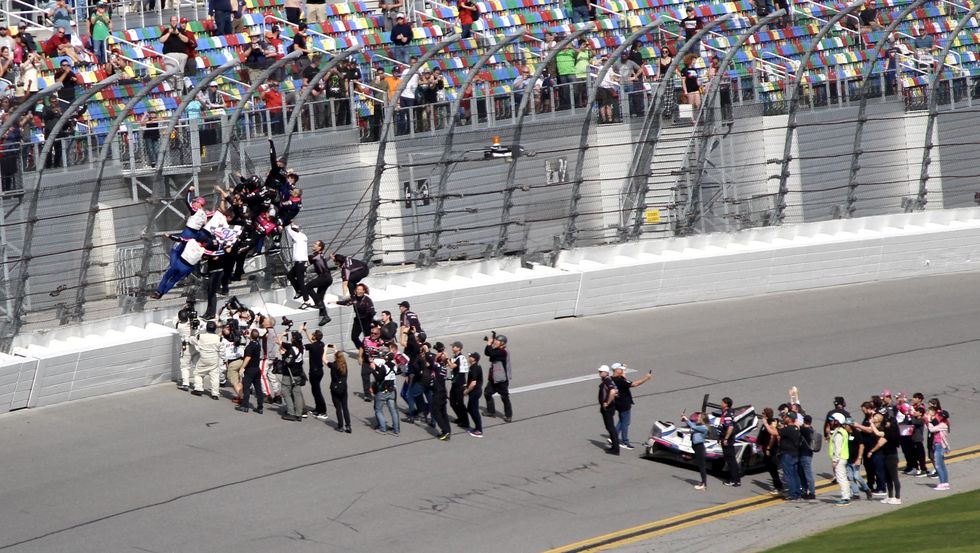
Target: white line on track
555,383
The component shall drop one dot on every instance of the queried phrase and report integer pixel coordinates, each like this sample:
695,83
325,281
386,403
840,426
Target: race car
671,442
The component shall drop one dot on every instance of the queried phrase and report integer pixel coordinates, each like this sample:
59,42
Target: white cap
604,368
379,362
616,366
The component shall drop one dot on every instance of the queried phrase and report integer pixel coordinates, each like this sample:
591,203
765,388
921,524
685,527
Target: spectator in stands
119,65
316,11
691,24
565,72
221,10
5,39
151,137
470,102
27,38
294,11
606,93
28,82
335,89
68,79
51,113
60,15
389,10
60,45
869,18
175,43
401,37
237,22
406,103
273,103
8,158
690,84
6,73
581,12
99,29
469,13
631,76
524,84
259,54
582,60
663,64
300,43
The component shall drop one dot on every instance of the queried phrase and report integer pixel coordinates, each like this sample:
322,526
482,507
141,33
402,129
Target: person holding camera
210,351
699,431
500,375
234,353
175,44
315,350
252,373
624,400
385,393
187,323
338,388
292,377
474,387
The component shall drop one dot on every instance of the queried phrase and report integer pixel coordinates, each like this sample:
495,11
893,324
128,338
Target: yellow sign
652,216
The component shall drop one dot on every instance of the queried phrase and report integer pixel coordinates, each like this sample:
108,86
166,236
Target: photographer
290,370
234,353
187,325
210,351
384,385
373,347
315,351
338,388
252,373
500,375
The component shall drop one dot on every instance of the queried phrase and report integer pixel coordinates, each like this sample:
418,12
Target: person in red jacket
468,14
273,102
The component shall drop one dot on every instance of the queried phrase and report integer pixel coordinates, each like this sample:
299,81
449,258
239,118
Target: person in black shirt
839,405
691,25
886,429
855,455
498,381
767,441
460,366
869,18
317,287
789,455
389,328
624,401
806,458
474,387
728,443
363,314
252,377
439,397
300,43
607,408
352,271
314,351
338,390
401,36
68,79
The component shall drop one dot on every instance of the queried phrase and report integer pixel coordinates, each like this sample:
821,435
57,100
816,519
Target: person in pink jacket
938,425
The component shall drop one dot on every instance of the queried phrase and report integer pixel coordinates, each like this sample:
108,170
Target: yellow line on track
694,518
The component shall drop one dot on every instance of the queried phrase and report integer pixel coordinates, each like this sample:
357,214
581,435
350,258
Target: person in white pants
838,451
210,350
187,351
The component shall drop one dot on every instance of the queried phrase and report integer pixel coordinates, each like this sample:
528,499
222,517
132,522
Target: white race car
671,442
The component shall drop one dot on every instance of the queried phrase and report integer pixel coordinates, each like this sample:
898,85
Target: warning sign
652,216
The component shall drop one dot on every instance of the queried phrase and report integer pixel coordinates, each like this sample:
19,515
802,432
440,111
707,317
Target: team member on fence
352,271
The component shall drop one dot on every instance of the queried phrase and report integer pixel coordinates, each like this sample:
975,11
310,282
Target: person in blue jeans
580,11
789,451
699,430
855,453
806,459
384,383
178,270
624,401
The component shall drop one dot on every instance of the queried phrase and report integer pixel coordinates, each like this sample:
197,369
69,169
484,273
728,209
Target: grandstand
79,234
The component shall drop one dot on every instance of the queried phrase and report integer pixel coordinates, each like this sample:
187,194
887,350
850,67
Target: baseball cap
379,362
604,368
475,356
886,393
457,344
400,15
615,366
404,304
838,417
502,338
213,84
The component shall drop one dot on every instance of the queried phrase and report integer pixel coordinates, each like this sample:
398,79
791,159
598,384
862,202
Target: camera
188,314
288,323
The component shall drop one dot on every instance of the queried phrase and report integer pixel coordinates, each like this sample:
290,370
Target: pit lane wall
141,349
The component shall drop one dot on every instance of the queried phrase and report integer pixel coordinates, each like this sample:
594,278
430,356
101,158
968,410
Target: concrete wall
137,350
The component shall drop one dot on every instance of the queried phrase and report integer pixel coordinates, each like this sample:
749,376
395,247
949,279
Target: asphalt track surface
162,471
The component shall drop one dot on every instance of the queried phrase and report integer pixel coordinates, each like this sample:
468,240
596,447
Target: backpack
816,442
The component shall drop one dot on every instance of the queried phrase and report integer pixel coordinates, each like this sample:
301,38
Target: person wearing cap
5,38
839,407
459,365
352,271
624,400
259,54
837,449
401,36
384,385
474,387
887,404
607,408
500,376
26,38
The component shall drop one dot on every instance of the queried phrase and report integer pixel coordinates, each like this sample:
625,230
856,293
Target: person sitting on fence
199,216
183,258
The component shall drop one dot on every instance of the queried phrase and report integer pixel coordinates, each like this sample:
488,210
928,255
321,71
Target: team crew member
438,412
837,449
314,351
234,351
297,273
766,441
474,387
352,271
317,287
699,430
374,347
338,390
187,352
389,328
500,376
624,400
727,421
252,377
607,408
789,455
210,350
363,314
384,382
459,366
293,377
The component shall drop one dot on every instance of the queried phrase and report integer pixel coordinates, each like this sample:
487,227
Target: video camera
188,314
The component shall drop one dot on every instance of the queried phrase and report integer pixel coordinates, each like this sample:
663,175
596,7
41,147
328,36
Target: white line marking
555,383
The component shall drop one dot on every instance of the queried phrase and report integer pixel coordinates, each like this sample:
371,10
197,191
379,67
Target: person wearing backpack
808,446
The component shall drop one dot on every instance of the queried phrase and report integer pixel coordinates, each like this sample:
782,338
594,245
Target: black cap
404,304
440,347
475,356
301,26
457,344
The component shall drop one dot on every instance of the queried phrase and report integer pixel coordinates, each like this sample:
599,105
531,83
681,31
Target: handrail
311,31
363,85
831,8
481,33
675,20
763,53
960,6
374,55
705,44
142,48
31,24
775,67
534,38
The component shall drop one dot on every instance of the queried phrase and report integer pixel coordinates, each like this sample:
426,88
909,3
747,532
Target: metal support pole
379,167
304,96
568,236
920,198
792,97
694,194
637,182
27,105
93,209
518,131
869,68
424,258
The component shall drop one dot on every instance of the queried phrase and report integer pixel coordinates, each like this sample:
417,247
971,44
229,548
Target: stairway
668,161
